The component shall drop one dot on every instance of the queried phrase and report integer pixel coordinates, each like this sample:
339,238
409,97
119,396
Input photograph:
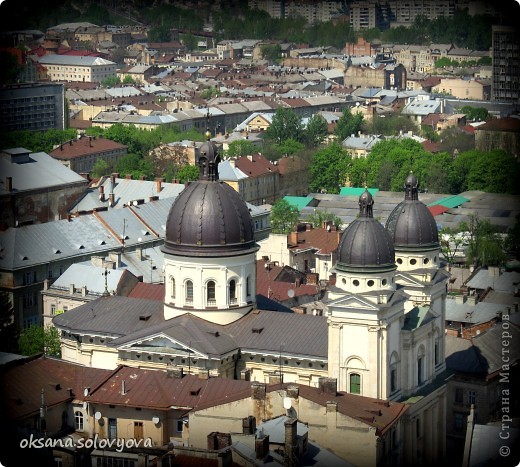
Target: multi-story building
364,15
76,68
32,106
81,154
404,13
36,188
505,51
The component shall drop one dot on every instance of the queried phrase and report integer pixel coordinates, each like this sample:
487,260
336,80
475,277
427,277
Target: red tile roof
268,286
255,165
321,239
148,291
21,384
86,145
501,124
159,390
437,209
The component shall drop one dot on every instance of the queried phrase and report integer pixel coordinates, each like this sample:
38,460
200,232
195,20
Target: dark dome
411,224
209,218
365,244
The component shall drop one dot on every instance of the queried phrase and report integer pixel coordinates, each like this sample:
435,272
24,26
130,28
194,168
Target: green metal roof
415,317
356,191
450,201
298,201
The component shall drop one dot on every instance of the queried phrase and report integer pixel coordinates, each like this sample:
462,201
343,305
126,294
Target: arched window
172,287
355,383
232,292
78,421
394,375
210,294
189,293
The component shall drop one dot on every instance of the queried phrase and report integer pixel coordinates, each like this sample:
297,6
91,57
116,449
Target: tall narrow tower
209,249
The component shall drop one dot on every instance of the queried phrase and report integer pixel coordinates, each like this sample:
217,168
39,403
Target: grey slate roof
482,354
35,244
90,276
290,333
472,313
126,191
111,316
505,282
74,60
42,171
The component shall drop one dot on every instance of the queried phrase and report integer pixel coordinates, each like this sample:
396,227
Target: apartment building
74,68
82,153
505,52
32,106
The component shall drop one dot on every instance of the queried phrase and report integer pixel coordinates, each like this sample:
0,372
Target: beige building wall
348,438
461,89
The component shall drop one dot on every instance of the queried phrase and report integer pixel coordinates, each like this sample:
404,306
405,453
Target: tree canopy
286,124
315,131
329,169
37,339
348,124
283,217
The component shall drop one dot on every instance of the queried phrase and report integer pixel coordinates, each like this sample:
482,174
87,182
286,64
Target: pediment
160,343
353,302
407,280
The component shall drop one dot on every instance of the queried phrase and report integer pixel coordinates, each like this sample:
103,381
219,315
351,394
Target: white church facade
382,337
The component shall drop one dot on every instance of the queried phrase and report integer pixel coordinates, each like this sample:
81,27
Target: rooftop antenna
106,273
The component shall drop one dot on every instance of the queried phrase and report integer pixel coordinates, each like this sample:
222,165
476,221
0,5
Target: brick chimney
291,446
261,446
249,425
102,193
111,199
258,391
328,385
159,184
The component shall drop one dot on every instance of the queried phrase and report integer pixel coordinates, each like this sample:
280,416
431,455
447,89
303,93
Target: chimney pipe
123,387
290,442
159,184
111,199
102,193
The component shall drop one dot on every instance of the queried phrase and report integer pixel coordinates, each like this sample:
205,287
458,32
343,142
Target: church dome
365,244
209,218
411,224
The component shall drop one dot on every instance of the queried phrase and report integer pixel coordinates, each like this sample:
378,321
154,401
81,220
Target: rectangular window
459,421
393,380
459,396
180,426
53,309
112,428
472,398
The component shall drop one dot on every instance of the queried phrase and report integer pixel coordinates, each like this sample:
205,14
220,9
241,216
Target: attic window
81,247
195,392
102,242
257,330
56,251
145,317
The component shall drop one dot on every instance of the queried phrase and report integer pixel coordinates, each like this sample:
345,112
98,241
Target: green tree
283,217
37,339
271,52
160,33
512,240
189,41
389,125
286,124
289,147
348,124
188,173
111,81
315,131
8,332
451,241
128,80
210,92
241,147
320,216
101,168
485,246
329,169
475,113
